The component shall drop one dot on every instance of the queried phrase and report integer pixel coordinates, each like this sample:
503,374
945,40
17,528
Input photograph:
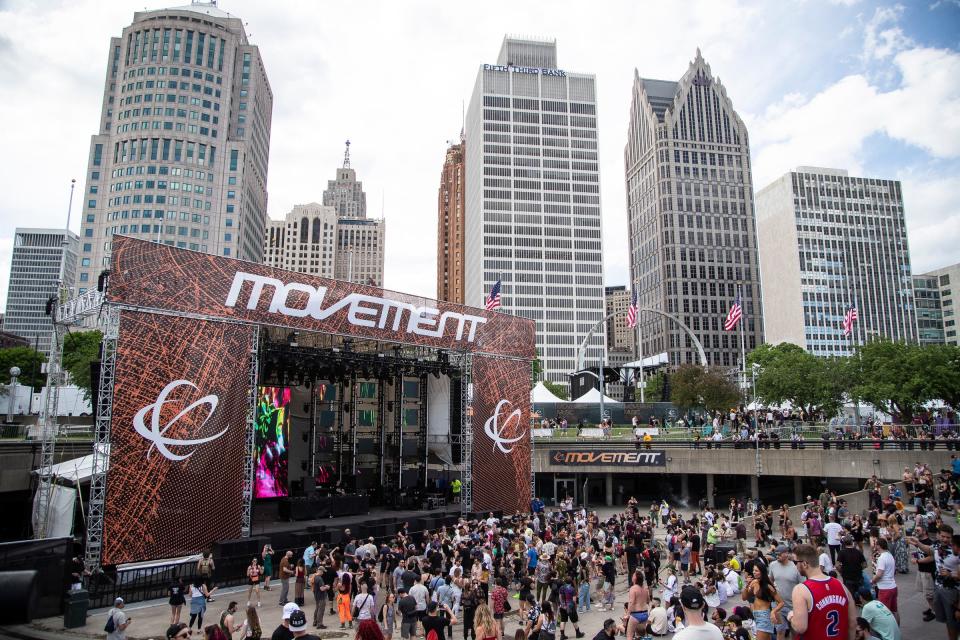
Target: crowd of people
744,572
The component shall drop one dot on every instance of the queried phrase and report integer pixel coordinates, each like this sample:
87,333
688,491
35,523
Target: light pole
14,374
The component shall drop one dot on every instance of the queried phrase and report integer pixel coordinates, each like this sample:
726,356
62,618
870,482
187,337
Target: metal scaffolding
466,448
249,453
110,316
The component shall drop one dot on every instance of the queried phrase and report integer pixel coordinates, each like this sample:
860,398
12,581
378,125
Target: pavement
151,618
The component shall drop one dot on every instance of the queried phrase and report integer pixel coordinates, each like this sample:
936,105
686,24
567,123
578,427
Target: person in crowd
695,627
822,605
286,572
118,621
254,573
282,632
199,596
178,631
266,557
177,599
765,602
884,578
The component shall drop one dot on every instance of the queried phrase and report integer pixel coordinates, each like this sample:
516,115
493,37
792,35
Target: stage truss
466,434
249,460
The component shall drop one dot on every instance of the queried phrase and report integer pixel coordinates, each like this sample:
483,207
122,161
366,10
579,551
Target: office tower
360,240
926,299
450,209
182,147
947,279
533,200
332,240
620,337
692,234
35,268
305,240
829,241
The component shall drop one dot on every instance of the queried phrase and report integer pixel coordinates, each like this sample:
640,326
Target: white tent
541,395
77,470
593,397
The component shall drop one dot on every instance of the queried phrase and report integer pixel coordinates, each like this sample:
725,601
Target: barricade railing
867,444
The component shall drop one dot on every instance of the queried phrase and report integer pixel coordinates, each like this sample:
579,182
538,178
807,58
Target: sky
871,87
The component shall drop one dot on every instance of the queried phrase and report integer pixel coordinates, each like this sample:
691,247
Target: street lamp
14,374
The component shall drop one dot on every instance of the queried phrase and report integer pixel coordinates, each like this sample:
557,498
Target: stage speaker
18,596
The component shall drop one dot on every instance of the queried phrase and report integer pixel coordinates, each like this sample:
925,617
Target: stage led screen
177,433
271,442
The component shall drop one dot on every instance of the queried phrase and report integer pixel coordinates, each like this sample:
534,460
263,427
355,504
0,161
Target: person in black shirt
609,631
435,622
850,562
632,551
407,606
926,567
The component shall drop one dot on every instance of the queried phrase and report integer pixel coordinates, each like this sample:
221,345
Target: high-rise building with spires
335,239
450,224
533,200
181,151
692,226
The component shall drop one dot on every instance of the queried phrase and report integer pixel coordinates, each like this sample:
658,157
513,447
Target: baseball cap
118,601
783,549
298,621
691,598
288,609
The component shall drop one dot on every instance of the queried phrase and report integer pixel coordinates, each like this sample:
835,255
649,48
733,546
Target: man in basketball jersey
823,608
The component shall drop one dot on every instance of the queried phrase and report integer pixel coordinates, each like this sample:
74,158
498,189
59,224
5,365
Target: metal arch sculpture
696,342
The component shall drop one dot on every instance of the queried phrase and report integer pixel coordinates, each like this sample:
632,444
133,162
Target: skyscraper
692,235
926,298
181,153
360,240
35,268
829,242
533,200
947,278
450,210
332,240
304,241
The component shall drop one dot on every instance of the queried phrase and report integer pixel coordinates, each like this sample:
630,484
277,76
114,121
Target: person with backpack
117,621
435,625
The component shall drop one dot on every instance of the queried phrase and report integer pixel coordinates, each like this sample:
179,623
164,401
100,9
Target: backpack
432,635
110,627
740,583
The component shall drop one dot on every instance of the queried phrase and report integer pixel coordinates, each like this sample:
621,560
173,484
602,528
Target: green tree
694,386
30,363
788,373
79,350
556,389
941,364
892,377
654,389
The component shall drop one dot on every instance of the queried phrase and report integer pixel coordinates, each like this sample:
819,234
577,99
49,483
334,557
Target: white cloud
829,129
883,37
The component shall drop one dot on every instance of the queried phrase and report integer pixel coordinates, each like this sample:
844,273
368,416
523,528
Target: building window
226,251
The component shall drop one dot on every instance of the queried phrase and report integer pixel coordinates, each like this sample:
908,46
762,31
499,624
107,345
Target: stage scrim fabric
178,437
501,434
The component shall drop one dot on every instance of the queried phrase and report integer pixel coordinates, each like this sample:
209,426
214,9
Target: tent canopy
541,395
593,397
77,470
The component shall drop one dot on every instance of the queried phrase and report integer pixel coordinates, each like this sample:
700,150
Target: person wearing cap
283,632
785,577
297,624
120,621
696,627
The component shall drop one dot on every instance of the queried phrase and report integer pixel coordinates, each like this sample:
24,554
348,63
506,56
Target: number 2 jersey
829,613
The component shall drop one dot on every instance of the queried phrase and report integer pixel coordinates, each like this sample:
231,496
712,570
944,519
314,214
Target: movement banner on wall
591,457
501,434
152,275
178,436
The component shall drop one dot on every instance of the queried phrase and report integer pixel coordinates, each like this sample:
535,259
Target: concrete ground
150,619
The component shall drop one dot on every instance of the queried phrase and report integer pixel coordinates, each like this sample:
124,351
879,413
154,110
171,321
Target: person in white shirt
120,621
885,578
826,564
695,627
834,531
658,619
669,585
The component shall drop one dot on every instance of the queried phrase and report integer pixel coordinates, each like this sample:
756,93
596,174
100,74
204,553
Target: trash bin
75,609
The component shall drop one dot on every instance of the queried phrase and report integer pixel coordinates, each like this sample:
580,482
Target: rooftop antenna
346,156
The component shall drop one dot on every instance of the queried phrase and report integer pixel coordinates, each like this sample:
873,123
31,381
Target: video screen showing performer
271,442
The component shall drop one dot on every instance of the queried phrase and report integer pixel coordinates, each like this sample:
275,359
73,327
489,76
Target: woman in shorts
254,573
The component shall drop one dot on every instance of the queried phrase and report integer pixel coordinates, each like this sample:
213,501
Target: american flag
848,319
632,311
734,315
493,300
